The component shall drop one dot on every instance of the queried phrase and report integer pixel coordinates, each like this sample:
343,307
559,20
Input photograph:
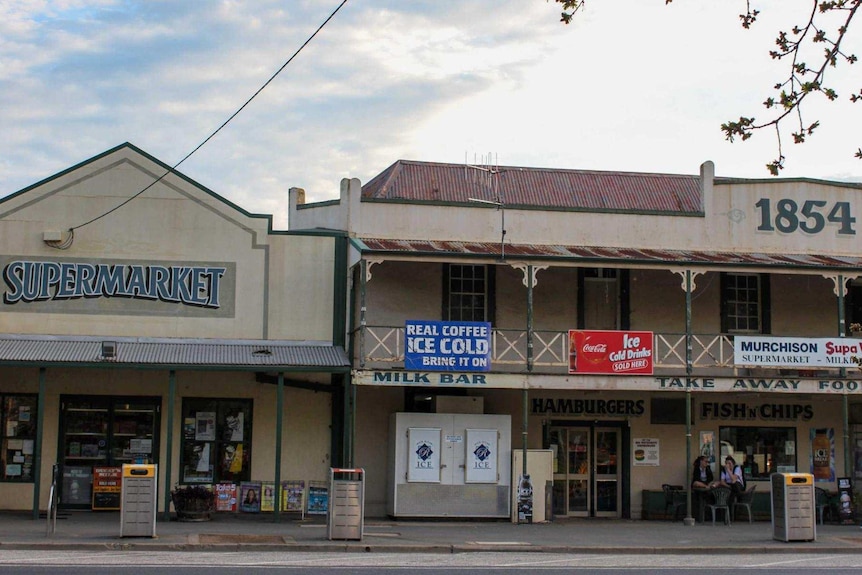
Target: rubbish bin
793,517
345,517
138,501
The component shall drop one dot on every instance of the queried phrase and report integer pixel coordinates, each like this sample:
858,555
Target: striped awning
603,255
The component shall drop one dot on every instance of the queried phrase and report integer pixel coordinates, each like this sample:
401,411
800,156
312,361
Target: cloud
630,85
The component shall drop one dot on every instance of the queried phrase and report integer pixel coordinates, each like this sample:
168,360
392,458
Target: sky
630,85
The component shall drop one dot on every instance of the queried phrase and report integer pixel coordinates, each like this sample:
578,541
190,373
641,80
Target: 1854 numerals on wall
811,218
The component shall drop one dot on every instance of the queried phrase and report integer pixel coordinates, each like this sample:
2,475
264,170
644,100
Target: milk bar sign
447,345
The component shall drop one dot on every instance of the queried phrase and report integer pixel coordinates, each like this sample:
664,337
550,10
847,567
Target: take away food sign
610,352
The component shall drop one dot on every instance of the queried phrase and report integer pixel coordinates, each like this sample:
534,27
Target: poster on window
232,461
823,453
481,448
198,466
707,447
205,426
646,452
423,455
233,425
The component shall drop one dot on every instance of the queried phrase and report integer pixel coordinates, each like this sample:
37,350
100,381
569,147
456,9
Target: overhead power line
67,243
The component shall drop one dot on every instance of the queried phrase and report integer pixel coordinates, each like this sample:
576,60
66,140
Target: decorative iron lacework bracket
368,265
529,279
839,282
694,274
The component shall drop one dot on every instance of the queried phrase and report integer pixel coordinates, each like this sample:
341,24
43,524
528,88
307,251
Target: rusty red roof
407,180
606,255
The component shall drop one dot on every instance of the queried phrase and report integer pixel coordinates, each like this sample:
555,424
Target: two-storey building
636,320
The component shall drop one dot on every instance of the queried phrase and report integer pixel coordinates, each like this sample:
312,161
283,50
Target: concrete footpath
87,530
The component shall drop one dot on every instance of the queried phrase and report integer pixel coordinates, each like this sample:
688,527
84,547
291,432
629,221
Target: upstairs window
744,303
468,292
18,417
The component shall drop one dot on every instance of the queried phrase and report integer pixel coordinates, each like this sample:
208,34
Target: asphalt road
40,562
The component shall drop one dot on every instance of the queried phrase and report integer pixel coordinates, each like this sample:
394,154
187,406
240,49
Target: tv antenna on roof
486,175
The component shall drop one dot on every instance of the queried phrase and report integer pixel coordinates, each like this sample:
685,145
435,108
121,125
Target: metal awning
170,353
600,255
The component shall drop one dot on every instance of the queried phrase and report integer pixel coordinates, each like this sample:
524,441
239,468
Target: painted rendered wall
302,282
373,407
172,223
372,426
306,420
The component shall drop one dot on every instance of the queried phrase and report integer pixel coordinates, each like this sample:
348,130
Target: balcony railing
384,349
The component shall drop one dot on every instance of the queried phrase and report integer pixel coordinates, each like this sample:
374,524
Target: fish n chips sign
616,352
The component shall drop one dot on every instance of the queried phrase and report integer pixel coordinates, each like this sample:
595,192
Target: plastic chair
821,502
720,496
744,500
672,502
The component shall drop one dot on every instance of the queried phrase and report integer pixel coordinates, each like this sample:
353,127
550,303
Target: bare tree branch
801,81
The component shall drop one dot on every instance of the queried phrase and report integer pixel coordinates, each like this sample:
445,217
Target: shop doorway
105,432
588,470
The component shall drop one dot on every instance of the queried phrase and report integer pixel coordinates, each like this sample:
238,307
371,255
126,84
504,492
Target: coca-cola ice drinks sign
609,352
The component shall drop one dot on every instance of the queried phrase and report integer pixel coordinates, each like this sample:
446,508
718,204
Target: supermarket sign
796,351
610,352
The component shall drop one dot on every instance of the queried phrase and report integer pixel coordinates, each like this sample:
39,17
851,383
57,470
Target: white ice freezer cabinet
449,465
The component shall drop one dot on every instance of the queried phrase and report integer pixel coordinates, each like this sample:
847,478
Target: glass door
606,472
102,431
586,471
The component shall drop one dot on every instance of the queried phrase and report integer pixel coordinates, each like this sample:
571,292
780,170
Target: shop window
216,444
668,411
744,303
853,303
18,418
425,400
468,293
760,451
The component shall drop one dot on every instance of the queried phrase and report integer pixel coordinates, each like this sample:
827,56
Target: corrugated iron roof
537,187
172,353
592,254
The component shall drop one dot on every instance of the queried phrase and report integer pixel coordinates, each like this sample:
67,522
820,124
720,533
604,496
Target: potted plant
193,502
